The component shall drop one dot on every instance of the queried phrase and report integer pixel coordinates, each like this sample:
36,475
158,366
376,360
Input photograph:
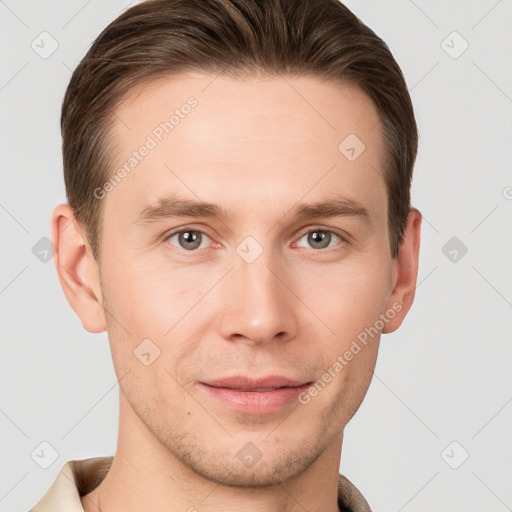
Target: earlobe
77,269
406,272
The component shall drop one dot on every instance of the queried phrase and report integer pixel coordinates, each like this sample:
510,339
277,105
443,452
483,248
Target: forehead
304,106
257,140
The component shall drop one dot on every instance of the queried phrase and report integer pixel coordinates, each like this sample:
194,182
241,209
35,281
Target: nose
256,303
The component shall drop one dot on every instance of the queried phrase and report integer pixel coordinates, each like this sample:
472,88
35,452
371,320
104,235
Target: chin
261,468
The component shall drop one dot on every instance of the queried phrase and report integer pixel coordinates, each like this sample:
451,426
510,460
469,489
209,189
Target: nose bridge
257,305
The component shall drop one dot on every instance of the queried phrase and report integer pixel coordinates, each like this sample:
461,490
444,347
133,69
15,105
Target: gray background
442,386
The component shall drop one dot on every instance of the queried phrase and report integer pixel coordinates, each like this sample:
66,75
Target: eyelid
343,238
187,227
309,229
169,234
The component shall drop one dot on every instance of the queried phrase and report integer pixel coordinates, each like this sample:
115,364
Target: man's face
261,292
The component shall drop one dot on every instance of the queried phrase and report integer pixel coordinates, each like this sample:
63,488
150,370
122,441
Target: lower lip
254,402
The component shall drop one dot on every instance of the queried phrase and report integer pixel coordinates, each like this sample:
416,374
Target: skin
255,147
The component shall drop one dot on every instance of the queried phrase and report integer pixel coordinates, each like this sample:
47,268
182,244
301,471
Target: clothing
79,477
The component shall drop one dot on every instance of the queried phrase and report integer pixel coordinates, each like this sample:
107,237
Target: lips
242,383
254,396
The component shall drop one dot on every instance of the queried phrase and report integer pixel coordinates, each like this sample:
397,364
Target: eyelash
342,239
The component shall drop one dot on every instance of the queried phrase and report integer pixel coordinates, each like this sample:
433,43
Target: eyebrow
171,207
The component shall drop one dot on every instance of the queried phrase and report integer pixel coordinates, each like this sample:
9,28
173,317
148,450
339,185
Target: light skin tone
256,149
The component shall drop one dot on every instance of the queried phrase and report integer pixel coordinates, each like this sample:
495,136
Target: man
239,221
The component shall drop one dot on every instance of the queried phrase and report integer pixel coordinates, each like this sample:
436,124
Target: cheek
149,298
347,297
149,302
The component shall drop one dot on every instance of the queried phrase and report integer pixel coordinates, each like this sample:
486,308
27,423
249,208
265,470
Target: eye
320,238
188,239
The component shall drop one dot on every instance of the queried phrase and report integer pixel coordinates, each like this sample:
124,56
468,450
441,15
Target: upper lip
247,384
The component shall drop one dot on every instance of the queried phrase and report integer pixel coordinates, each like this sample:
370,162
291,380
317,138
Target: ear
77,269
405,272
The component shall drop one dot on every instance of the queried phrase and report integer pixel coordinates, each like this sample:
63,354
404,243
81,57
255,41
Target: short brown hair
160,38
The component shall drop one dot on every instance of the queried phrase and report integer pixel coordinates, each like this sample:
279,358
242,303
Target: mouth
255,396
